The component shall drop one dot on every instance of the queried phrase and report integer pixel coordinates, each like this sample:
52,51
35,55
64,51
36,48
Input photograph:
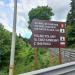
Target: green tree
5,38
71,25
41,12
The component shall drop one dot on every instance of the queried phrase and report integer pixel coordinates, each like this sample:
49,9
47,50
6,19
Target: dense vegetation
71,26
24,59
41,12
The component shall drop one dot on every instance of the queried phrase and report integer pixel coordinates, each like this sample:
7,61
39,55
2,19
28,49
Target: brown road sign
48,34
45,39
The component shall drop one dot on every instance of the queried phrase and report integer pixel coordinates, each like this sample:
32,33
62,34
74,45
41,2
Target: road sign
48,34
45,39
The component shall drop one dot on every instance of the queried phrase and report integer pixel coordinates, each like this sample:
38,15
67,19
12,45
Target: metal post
60,57
11,67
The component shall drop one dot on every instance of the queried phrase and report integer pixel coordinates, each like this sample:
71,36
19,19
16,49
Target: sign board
48,34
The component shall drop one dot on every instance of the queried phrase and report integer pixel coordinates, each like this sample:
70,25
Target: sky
60,9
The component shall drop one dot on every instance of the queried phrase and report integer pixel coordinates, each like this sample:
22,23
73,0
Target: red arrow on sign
62,25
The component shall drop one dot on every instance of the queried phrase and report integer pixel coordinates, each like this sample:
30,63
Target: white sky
60,9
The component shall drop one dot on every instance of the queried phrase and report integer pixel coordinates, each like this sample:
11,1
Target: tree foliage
5,38
71,25
41,12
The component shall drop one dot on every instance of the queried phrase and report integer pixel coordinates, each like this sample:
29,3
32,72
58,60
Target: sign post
60,56
51,57
61,41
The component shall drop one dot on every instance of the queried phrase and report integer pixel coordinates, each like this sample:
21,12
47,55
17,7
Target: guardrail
65,69
68,55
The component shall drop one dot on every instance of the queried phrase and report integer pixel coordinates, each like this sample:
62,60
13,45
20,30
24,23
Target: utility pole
12,56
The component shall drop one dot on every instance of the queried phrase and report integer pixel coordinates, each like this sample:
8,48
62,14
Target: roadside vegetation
24,56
